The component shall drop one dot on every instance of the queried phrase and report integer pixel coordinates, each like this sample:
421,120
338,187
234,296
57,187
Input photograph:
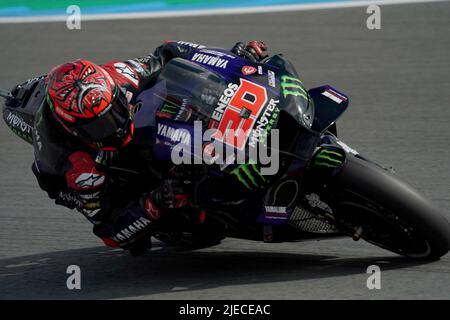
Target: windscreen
189,90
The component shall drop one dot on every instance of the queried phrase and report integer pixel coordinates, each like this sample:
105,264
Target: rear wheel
370,203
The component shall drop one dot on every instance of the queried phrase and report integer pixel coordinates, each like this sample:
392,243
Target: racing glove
253,50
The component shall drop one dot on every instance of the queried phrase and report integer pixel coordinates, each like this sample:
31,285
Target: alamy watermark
374,280
373,22
213,146
73,282
73,21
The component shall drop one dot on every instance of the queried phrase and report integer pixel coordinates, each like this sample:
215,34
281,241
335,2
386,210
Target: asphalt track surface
398,80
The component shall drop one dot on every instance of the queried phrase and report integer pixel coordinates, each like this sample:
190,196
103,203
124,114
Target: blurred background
398,81
11,8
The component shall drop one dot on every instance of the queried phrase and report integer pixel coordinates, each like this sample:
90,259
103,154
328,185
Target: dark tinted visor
112,125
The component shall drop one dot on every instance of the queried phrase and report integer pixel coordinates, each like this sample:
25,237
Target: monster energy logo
248,174
293,86
19,126
170,109
328,158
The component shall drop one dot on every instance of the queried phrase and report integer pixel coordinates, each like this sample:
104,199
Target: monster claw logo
170,109
248,175
328,158
293,86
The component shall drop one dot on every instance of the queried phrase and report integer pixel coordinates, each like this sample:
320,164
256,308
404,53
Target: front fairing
277,75
296,100
189,89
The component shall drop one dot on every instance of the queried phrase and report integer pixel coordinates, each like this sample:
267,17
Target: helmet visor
110,128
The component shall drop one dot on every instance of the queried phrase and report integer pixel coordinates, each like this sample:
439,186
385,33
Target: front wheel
370,203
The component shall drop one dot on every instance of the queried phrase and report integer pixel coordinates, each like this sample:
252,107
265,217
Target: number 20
235,126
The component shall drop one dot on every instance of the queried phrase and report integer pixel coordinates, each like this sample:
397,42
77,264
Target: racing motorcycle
322,188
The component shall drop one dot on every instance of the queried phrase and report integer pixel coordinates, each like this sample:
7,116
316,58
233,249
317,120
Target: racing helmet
87,102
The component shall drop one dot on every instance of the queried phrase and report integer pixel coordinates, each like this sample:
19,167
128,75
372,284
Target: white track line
210,12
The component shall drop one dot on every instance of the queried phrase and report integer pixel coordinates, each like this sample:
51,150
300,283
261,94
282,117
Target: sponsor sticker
174,134
210,60
90,180
223,101
18,123
273,212
271,78
333,95
235,123
131,230
292,86
260,70
264,123
248,70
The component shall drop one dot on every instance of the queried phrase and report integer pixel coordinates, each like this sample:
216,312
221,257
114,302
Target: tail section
20,109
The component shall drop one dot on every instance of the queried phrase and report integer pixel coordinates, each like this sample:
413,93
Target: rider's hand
257,48
253,50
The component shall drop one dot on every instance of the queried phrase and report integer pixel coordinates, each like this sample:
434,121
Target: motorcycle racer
85,122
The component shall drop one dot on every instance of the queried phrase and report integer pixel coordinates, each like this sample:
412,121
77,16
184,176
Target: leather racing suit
77,176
